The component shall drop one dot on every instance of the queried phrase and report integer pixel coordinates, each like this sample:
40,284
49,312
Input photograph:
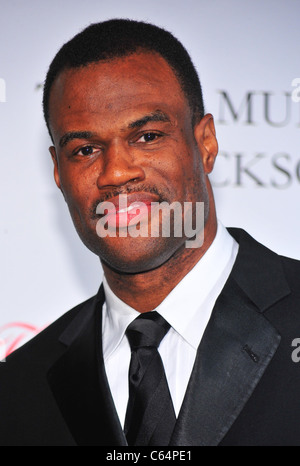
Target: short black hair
117,38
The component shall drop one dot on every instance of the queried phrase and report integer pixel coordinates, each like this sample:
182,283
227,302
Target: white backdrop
247,54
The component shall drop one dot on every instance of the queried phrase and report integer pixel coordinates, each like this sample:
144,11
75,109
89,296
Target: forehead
139,80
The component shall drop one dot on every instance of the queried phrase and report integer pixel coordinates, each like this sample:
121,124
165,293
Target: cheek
195,179
75,184
172,168
76,195
190,174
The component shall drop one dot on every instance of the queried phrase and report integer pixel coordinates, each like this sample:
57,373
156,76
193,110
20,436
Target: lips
127,209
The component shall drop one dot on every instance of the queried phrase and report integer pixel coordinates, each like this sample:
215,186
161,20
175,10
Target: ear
56,170
205,135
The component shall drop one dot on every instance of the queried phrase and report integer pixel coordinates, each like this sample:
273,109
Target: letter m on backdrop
244,109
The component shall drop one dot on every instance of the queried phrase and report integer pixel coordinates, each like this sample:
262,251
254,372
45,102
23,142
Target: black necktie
150,416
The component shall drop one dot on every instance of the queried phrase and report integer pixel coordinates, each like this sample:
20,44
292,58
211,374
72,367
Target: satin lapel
80,386
235,350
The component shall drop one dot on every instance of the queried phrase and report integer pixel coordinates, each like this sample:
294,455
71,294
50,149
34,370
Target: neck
146,290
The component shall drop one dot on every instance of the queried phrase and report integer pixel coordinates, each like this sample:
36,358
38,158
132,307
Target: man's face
124,127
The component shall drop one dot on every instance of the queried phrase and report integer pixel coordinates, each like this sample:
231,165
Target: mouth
127,210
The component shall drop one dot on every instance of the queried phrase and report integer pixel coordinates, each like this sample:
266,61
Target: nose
119,168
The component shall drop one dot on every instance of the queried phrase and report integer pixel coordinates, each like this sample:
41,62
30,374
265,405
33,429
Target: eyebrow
158,115
74,135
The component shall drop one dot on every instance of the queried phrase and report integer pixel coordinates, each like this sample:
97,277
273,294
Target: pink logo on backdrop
15,334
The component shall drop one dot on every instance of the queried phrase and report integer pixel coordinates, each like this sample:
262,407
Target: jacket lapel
237,346
79,384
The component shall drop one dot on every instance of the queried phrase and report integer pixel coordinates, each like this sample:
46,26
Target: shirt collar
188,307
117,315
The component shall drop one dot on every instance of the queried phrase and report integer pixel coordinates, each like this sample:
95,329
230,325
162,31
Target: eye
149,137
86,151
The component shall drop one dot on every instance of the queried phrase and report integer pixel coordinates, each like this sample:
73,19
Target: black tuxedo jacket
244,388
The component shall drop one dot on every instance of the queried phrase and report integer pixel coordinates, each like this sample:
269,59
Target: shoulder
292,269
265,276
27,409
46,345
251,248
29,414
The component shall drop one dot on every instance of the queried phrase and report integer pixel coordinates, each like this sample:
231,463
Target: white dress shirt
187,309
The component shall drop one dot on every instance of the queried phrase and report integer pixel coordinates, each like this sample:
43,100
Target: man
124,109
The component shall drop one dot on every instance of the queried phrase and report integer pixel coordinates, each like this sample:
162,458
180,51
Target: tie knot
147,330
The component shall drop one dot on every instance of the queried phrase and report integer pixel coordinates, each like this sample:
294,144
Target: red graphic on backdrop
15,334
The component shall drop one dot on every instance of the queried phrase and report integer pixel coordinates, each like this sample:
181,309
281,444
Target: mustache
162,197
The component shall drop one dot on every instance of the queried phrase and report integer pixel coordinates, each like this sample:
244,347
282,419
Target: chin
134,255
